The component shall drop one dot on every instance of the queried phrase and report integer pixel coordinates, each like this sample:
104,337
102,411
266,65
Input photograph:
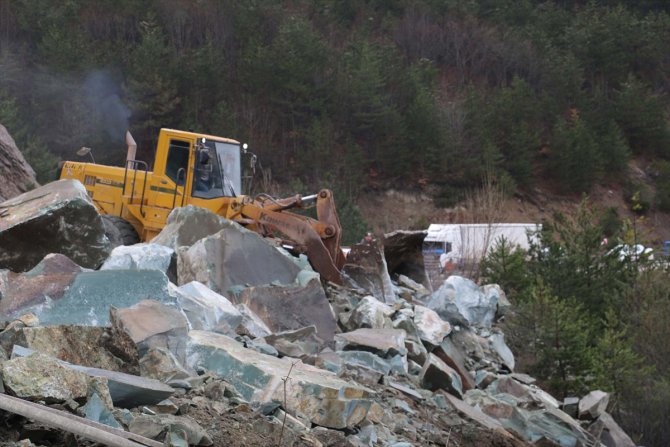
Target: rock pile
224,339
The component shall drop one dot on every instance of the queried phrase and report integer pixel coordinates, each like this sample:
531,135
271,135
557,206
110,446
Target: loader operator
204,174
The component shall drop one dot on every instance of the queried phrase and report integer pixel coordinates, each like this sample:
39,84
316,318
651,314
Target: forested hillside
346,93
424,95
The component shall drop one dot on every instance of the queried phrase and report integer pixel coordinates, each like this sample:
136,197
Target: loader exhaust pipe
132,146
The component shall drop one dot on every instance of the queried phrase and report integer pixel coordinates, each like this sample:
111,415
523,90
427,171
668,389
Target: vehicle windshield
217,171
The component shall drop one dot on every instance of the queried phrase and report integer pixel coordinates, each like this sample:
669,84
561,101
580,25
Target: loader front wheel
119,231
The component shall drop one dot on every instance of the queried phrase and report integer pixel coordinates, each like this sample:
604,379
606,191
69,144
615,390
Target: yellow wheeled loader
205,170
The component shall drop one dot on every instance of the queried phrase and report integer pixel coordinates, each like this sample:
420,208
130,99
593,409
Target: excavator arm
318,238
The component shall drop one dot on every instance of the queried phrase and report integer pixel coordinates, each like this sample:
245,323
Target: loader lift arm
319,239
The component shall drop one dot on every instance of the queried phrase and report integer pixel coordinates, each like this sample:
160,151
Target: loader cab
195,168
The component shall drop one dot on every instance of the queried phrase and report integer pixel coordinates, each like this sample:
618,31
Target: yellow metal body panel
145,199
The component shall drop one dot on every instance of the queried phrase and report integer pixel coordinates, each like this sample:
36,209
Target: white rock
139,257
431,328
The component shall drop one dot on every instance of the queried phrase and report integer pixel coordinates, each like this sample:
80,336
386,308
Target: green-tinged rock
86,302
40,377
319,395
158,426
436,374
56,218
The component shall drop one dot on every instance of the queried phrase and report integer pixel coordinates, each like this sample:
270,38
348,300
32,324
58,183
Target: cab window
177,158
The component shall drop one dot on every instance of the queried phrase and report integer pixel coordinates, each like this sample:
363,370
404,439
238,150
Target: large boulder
436,374
140,257
431,328
40,377
609,433
474,304
369,313
234,256
17,175
313,393
285,308
87,299
56,218
593,404
187,225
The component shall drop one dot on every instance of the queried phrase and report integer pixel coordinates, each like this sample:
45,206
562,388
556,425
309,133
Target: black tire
119,231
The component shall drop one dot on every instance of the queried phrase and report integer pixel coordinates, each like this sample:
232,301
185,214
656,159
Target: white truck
458,248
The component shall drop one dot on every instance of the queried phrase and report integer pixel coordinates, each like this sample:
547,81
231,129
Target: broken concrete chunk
370,313
140,257
287,308
40,377
318,395
593,404
234,256
436,374
208,310
385,342
431,328
56,218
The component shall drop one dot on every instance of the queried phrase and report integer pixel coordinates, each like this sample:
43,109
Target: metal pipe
40,414
132,146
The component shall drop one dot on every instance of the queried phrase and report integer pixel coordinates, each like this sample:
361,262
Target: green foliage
577,162
556,334
505,265
43,162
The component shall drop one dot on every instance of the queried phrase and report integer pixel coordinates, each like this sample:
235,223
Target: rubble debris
297,344
369,313
73,424
161,425
56,218
251,324
147,324
386,342
285,308
321,397
234,256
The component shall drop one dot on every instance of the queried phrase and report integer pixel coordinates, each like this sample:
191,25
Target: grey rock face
476,305
436,374
318,395
386,342
593,404
154,426
370,313
286,308
86,301
431,328
208,310
39,377
17,175
56,218
187,225
234,256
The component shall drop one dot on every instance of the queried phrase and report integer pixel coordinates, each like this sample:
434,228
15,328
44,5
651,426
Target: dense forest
355,94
